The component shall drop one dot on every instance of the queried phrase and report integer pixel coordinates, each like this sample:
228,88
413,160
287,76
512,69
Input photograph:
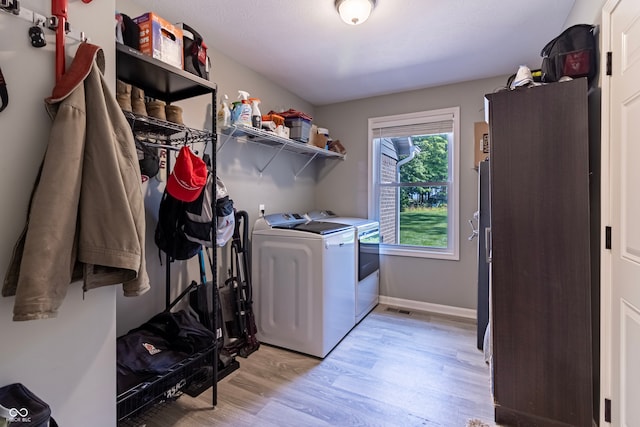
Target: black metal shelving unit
158,79
168,83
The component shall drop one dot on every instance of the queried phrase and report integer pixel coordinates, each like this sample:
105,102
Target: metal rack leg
167,282
214,263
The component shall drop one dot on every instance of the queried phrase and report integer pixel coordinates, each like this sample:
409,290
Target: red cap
188,176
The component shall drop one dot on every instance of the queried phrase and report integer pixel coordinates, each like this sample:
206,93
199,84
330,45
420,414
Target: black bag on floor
572,53
20,407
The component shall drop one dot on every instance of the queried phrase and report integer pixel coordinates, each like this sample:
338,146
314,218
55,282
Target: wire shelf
166,132
163,388
265,137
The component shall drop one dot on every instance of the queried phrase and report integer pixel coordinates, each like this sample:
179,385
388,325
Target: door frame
605,212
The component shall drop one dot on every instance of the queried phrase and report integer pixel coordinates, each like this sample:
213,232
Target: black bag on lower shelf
20,407
158,345
143,354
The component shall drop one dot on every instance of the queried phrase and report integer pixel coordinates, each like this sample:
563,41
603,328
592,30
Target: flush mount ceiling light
355,12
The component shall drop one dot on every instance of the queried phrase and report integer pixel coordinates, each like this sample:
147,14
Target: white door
621,209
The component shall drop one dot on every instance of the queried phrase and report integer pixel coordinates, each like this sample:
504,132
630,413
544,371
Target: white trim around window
420,120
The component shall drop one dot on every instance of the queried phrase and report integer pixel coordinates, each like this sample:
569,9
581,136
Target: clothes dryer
302,272
367,258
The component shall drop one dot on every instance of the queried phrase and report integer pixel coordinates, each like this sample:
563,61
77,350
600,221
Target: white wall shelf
264,137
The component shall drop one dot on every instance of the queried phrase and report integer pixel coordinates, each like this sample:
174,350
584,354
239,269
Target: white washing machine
301,274
367,258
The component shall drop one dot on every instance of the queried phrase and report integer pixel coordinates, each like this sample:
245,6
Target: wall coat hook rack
56,22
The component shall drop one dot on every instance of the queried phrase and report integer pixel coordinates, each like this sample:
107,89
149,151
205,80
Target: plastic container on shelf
299,128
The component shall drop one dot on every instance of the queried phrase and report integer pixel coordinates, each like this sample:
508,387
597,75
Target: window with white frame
414,191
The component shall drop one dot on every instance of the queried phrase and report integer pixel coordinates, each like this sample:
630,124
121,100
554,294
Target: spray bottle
256,115
224,115
244,113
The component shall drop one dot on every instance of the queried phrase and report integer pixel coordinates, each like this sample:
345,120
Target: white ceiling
303,45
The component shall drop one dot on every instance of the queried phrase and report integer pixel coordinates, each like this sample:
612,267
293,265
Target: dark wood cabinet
540,242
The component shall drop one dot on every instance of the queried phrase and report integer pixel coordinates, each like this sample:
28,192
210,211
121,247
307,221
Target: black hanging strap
4,95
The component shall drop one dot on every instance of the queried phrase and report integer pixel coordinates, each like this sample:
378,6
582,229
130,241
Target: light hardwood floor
393,369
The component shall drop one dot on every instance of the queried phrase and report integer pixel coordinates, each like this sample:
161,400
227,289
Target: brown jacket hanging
87,209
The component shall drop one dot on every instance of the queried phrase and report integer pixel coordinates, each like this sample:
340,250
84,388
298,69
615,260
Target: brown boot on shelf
156,109
123,95
174,114
137,101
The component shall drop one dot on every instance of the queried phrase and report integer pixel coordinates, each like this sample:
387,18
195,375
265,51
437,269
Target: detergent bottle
235,111
256,115
244,109
224,115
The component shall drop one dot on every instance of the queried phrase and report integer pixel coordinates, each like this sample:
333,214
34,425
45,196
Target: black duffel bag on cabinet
573,54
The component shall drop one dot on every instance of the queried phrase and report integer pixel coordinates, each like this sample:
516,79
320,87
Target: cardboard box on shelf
282,131
317,139
337,147
160,39
480,142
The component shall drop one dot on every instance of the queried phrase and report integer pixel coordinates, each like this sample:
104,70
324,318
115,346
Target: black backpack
184,226
572,53
170,235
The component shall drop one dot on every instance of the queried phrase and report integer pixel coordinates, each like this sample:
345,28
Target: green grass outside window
424,227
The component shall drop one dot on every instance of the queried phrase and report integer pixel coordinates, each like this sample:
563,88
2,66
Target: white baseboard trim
428,307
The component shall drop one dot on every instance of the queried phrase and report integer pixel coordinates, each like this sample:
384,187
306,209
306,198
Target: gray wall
585,12
451,283
68,361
